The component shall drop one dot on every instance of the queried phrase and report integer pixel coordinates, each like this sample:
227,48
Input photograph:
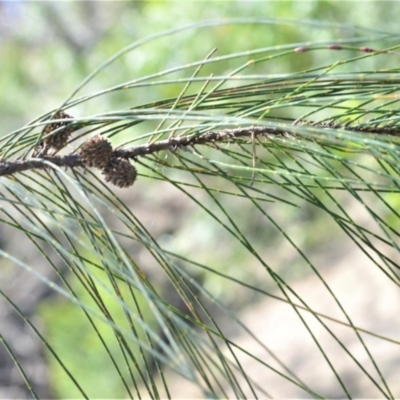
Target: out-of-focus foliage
47,48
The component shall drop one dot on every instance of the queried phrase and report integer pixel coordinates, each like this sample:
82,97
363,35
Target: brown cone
60,139
96,152
120,172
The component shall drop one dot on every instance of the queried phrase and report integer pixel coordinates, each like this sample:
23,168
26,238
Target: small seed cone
96,152
60,139
120,172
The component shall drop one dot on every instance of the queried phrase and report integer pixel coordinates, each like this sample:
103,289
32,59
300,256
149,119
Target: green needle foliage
264,161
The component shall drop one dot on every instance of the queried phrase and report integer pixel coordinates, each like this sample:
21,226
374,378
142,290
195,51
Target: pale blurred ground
370,300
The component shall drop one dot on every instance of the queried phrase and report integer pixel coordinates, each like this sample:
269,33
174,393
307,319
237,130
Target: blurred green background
48,48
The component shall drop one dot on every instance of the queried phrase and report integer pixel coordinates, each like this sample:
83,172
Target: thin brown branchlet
95,152
76,160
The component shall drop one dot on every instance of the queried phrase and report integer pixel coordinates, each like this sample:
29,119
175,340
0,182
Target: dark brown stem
12,167
74,160
206,138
